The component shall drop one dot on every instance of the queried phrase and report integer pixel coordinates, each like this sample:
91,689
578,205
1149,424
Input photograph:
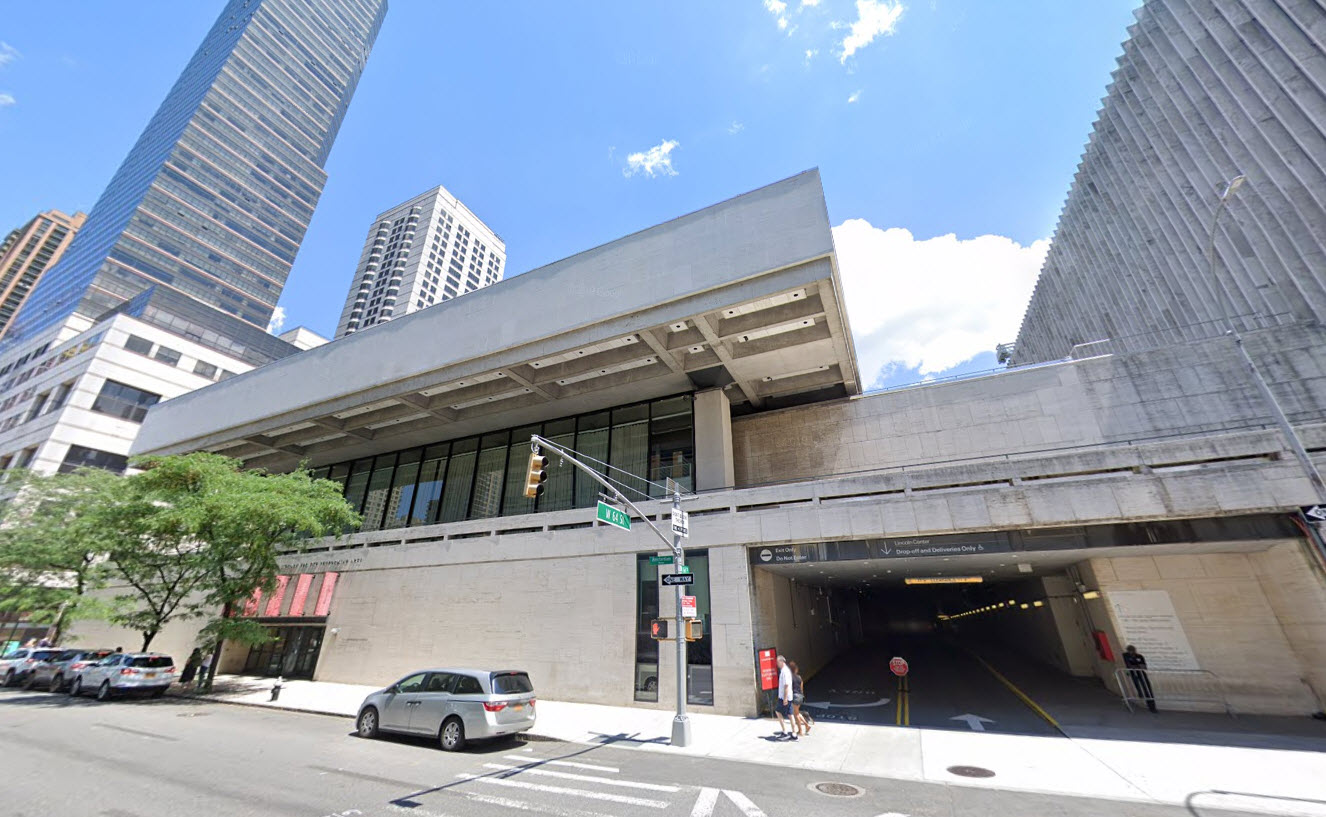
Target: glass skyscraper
200,224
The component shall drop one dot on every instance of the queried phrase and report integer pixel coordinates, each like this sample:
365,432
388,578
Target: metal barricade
1168,687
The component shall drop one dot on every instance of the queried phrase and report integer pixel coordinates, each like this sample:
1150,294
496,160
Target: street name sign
670,579
614,516
681,522
660,560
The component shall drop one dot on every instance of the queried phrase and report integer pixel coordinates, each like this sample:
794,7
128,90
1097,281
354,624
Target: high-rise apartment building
428,249
171,282
213,200
1206,91
26,253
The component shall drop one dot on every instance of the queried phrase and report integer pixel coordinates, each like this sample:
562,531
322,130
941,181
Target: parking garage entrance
1003,629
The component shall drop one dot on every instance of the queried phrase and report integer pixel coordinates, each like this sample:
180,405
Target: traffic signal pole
681,724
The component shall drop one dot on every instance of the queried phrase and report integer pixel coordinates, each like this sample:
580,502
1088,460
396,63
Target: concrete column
713,441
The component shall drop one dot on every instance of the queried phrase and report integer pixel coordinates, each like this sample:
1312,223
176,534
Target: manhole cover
970,771
836,789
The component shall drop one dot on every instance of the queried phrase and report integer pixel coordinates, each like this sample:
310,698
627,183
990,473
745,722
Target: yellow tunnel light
1038,604
943,580
1024,605
1011,602
1091,594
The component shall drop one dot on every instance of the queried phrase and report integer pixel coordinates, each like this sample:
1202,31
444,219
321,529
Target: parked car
150,672
452,705
15,665
55,672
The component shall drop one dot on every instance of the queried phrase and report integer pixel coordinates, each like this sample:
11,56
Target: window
511,683
402,491
37,406
25,459
80,457
142,346
60,394
699,654
467,685
167,355
414,683
205,369
124,401
379,484
487,498
152,661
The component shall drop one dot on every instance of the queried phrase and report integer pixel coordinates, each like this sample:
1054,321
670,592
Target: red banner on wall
325,594
278,595
251,606
300,600
768,669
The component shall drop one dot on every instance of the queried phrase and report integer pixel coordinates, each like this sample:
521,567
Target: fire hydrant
276,688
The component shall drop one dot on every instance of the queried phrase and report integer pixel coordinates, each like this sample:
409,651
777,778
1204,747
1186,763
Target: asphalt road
946,688
148,758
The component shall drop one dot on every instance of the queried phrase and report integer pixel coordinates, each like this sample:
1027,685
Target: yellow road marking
1035,707
903,714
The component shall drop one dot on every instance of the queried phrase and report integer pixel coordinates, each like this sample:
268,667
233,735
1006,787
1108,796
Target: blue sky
946,132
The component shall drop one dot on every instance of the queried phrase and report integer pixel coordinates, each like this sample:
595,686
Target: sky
946,132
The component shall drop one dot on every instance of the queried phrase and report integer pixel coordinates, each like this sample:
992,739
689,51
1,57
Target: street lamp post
1291,436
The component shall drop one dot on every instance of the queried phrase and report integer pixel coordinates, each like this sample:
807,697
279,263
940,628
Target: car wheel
104,691
9,678
30,681
367,726
453,735
56,684
76,688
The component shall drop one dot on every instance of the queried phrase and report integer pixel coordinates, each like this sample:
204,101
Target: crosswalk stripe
589,767
592,795
743,802
705,803
582,778
521,805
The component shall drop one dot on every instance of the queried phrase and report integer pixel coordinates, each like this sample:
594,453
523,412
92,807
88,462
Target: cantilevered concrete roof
744,295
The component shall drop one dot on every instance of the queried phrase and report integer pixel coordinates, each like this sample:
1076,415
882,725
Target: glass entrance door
292,653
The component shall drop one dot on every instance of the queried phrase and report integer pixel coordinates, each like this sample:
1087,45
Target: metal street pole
1291,436
681,724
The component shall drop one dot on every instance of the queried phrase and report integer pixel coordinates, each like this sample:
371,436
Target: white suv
15,665
150,672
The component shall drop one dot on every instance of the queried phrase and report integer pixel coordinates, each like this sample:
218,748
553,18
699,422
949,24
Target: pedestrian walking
191,665
1136,664
784,706
799,719
119,650
203,669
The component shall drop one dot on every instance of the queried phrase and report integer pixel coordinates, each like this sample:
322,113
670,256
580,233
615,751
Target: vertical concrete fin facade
1206,90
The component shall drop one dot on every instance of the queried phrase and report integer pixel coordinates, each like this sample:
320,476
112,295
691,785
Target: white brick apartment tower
428,249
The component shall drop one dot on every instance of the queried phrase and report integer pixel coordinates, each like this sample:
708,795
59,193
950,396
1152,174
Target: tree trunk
147,638
226,610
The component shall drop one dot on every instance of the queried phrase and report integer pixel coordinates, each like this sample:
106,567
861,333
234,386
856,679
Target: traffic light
538,472
658,629
694,629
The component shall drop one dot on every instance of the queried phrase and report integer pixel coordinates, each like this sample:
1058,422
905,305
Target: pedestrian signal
658,629
694,629
538,465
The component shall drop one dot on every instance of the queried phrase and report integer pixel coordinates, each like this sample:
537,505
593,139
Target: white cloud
278,320
8,54
735,128
854,97
931,304
810,54
777,9
653,162
873,18
6,99
809,3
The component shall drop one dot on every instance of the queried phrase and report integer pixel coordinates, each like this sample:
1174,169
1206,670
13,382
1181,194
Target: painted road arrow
880,702
975,722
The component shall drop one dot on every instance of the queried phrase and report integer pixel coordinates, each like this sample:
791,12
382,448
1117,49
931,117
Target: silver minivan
452,705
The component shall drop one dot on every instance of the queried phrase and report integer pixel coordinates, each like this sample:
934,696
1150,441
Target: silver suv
55,672
150,672
16,665
452,705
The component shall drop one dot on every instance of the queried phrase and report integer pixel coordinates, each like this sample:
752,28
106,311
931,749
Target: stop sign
899,666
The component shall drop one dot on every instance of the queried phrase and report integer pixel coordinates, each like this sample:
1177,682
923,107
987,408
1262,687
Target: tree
205,534
54,537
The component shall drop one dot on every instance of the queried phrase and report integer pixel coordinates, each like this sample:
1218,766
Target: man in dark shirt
1136,664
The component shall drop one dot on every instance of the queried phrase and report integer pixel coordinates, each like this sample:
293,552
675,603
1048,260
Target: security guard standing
1136,664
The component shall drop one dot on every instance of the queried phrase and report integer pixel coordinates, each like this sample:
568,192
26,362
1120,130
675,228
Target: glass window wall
481,477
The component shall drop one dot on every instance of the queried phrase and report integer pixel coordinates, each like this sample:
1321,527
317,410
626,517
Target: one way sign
1317,513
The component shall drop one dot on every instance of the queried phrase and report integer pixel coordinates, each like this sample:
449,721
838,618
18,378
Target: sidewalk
1137,766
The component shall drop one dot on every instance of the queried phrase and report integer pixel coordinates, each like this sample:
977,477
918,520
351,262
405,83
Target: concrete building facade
421,252
1070,487
26,253
1205,91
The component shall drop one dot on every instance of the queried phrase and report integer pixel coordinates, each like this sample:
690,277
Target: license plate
518,707
150,674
